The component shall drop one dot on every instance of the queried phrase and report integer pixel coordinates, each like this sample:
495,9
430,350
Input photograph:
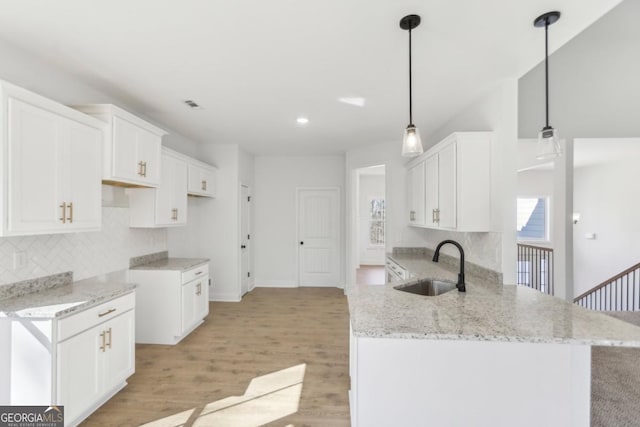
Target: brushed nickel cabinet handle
144,169
63,218
106,312
198,272
204,185
103,346
70,218
109,342
140,163
199,289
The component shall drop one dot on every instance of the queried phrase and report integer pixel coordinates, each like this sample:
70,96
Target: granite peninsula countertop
488,311
172,264
66,297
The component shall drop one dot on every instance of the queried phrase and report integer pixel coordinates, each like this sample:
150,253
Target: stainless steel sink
428,287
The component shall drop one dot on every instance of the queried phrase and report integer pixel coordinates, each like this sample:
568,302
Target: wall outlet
19,260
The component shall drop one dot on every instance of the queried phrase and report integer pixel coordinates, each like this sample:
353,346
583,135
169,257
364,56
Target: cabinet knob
243,246
302,243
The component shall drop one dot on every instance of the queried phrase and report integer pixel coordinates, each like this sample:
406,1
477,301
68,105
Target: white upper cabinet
202,179
416,193
52,166
457,186
132,149
166,205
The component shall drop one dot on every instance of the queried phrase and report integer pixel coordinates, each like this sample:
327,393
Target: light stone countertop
173,264
486,312
61,300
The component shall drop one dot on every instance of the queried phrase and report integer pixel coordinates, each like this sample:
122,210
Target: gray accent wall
594,81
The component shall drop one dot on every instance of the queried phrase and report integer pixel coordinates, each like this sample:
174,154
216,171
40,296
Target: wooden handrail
607,282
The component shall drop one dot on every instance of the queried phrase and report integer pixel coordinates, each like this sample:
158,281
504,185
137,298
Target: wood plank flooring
270,330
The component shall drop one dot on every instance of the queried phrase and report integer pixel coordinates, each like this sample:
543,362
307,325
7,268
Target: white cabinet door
447,186
54,177
202,298
119,357
149,154
165,193
415,178
125,163
202,180
189,303
431,190
79,372
82,173
171,202
35,151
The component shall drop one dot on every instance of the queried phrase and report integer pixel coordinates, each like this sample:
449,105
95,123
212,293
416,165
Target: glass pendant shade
548,146
411,142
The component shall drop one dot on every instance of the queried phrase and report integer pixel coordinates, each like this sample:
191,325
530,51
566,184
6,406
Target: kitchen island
492,356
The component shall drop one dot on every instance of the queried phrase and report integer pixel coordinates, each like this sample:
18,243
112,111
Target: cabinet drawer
92,316
195,273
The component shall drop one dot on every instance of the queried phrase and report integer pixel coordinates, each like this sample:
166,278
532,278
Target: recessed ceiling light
356,101
192,104
302,120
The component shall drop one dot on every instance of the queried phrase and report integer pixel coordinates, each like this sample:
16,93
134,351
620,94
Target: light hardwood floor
270,330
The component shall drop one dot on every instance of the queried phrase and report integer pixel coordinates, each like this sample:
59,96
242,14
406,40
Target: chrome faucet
460,285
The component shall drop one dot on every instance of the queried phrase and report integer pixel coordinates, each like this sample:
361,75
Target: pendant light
411,142
548,146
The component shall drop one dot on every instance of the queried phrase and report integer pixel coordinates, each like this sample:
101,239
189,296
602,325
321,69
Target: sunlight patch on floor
267,398
175,420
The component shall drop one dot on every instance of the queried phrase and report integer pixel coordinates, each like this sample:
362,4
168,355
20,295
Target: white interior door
319,237
244,239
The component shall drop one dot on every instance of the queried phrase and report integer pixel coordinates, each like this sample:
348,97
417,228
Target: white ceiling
257,65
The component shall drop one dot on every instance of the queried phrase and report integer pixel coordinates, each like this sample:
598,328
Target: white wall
370,187
606,195
496,112
276,180
212,229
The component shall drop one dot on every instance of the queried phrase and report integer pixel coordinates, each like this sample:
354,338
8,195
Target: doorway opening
370,204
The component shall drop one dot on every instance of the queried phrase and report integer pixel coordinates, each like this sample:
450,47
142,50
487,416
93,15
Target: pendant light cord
410,88
546,69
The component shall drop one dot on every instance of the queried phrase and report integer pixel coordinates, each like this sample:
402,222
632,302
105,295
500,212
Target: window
376,221
533,218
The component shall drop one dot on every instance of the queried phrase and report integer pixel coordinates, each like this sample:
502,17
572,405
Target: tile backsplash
86,254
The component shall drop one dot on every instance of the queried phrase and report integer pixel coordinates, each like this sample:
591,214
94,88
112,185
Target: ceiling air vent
192,104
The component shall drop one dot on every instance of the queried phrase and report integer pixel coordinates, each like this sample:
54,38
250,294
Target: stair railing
619,293
535,267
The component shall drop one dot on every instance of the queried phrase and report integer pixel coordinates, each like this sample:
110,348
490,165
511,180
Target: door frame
252,283
351,245
340,284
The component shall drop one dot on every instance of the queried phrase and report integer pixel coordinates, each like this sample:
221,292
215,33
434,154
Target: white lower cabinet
92,364
170,303
79,361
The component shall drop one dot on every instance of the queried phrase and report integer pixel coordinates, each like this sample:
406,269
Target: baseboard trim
275,284
224,297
